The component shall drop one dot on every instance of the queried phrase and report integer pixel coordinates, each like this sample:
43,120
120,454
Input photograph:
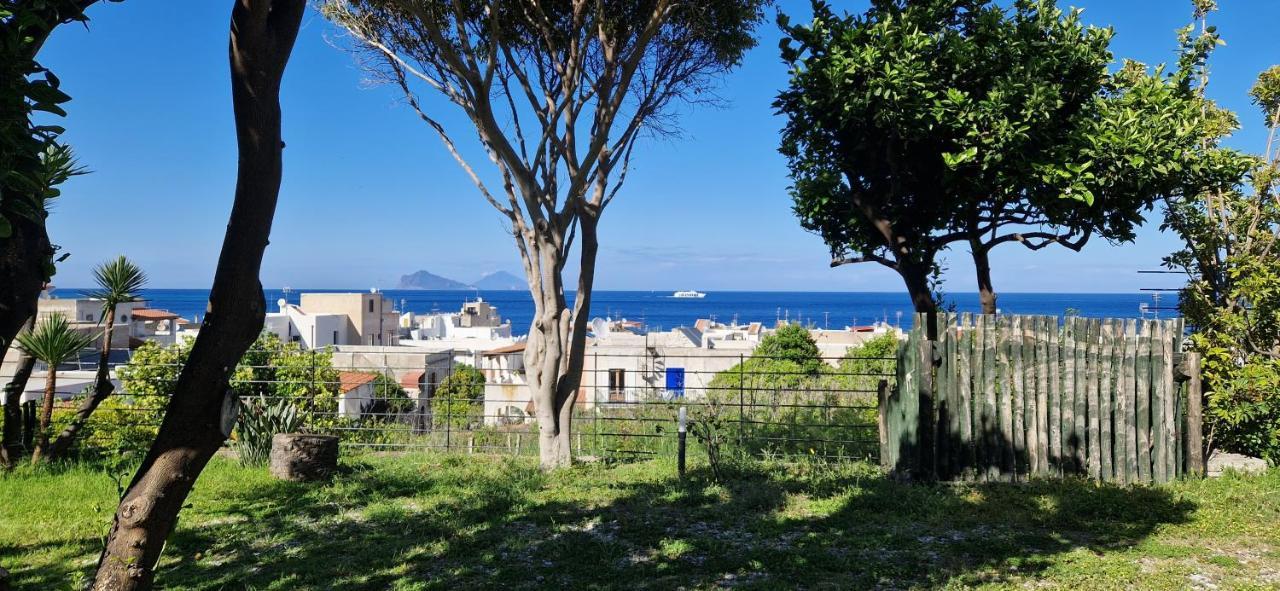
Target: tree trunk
302,457
982,266
23,256
555,350
46,413
102,388
916,278
262,36
12,441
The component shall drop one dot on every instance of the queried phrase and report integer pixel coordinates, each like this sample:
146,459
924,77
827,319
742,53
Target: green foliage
921,124
786,399
863,366
123,426
793,343
119,280
1231,236
32,163
459,401
787,358
54,341
260,419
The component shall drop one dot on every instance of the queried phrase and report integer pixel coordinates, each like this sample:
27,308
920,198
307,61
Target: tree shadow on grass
457,522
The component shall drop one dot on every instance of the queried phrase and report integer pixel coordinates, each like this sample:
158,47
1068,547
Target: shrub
260,419
459,401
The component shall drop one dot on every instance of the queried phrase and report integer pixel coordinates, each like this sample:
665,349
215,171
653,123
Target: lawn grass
455,522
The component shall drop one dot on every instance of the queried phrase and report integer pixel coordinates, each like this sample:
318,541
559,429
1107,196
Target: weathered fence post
927,456
1195,415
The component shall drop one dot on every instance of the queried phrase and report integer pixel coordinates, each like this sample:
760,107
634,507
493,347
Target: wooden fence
1006,398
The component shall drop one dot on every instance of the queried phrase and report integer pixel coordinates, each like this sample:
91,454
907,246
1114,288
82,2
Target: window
124,318
89,317
617,385
335,338
371,306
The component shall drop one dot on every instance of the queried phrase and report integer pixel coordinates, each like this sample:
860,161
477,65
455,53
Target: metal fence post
448,412
595,394
742,382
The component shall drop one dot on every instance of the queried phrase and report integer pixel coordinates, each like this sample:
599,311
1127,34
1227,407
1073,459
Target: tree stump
300,458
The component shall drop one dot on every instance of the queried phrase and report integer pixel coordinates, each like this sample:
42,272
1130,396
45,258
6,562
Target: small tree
460,397
558,93
920,125
787,358
119,281
54,341
1232,239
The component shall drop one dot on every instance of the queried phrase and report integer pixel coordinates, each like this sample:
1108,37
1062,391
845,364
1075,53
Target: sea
658,310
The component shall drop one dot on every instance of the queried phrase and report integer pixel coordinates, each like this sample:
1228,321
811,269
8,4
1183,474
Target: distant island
501,281
495,281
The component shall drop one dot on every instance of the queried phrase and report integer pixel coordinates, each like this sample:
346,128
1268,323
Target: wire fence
626,405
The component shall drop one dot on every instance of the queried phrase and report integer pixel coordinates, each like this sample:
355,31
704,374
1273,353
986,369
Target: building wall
372,319
355,401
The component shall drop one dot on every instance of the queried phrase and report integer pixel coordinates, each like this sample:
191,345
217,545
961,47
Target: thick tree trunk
46,414
12,441
302,457
23,256
262,36
982,267
102,388
555,350
916,278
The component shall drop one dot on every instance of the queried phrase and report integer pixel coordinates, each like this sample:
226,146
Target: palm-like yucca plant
119,281
53,341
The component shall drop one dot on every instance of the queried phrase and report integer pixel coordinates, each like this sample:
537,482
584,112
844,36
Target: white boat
688,294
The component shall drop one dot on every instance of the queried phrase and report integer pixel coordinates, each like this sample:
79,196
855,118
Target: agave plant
261,419
119,281
53,341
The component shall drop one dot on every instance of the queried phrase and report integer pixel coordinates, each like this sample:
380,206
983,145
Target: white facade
312,331
477,320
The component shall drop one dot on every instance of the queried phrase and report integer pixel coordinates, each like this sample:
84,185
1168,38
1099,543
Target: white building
476,320
325,319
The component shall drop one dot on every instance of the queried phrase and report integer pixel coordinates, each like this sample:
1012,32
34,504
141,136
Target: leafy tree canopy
921,124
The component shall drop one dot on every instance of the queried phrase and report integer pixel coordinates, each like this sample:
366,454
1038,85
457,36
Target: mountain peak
501,281
428,280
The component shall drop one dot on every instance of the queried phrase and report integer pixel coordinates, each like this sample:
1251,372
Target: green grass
457,522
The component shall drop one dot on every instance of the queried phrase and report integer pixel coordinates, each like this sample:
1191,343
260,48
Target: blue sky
369,193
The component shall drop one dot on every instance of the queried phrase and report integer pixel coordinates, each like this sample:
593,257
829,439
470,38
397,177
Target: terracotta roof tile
350,380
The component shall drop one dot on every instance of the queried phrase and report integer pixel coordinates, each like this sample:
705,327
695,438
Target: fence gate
1005,398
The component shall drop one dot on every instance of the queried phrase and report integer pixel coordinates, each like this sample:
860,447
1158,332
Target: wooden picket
1008,398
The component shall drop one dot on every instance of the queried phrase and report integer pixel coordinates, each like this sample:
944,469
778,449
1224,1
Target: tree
119,281
791,342
54,341
558,93
196,420
786,359
12,438
1231,237
921,125
459,397
32,162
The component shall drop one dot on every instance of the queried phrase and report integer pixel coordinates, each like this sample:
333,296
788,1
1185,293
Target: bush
459,401
122,426
260,419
